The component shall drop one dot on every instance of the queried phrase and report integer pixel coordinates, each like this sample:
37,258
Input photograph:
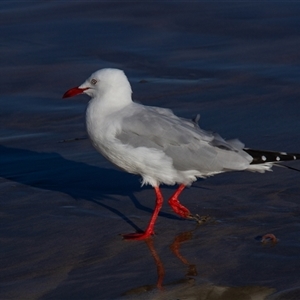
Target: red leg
150,229
179,209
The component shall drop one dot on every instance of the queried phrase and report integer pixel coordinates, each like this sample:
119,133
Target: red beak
73,92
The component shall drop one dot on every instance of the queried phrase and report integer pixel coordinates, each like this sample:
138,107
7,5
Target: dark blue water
63,205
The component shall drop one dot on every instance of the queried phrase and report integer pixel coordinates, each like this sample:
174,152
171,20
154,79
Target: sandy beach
63,206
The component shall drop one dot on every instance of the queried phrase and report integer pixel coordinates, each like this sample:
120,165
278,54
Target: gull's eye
93,81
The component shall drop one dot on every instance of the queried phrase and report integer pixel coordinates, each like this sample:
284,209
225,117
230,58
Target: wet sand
63,206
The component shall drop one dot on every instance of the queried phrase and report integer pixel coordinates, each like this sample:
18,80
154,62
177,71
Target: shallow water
63,206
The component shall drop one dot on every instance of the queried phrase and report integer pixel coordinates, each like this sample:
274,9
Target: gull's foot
137,236
179,209
199,219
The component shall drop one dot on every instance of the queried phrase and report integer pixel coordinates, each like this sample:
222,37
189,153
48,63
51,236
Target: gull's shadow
51,171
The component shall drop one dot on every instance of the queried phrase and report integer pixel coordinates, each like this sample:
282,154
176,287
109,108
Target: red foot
137,236
179,209
150,229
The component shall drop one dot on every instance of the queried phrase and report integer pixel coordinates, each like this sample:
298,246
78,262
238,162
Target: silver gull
159,146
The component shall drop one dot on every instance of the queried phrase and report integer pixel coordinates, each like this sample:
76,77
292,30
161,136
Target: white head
111,83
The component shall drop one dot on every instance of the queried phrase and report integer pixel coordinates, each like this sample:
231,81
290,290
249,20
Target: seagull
158,145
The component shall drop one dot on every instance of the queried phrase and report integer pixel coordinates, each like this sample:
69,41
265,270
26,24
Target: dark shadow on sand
51,171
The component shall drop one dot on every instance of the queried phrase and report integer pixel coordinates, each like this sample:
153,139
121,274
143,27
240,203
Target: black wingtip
261,156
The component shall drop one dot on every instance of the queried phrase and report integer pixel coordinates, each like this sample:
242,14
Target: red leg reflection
183,237
150,229
159,265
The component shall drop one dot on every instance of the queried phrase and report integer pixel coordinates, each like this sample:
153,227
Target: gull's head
103,82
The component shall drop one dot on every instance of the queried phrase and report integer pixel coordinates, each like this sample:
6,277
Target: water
63,206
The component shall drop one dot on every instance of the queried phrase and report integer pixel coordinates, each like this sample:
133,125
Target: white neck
109,103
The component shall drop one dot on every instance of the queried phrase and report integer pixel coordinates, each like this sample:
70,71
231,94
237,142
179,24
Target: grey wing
160,128
190,147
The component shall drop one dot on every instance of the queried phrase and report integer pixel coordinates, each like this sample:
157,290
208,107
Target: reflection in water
159,265
175,246
179,239
187,288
